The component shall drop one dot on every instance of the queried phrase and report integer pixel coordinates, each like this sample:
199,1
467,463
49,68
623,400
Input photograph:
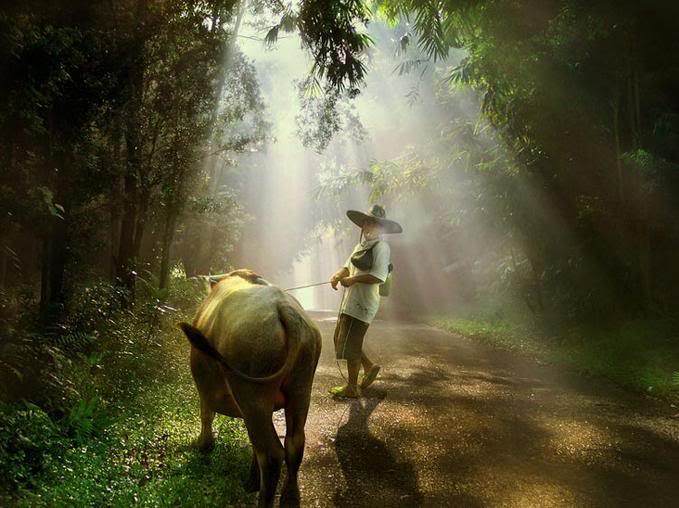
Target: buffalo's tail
198,340
294,326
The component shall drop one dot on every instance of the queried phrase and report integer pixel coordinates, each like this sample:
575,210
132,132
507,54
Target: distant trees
120,118
105,101
56,92
582,95
117,122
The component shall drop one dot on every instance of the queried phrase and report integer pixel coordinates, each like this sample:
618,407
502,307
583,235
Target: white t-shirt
362,300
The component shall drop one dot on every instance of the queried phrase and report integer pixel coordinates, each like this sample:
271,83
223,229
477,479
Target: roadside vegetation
639,355
114,411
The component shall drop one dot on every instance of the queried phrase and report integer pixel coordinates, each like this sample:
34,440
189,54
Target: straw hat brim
359,218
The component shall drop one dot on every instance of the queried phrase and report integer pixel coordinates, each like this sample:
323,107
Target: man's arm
364,278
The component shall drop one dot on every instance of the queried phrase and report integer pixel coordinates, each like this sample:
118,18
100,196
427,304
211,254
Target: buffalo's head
241,273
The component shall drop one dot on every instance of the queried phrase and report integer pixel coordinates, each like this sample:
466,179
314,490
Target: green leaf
271,36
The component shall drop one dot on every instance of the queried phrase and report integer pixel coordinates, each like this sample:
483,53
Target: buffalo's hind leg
206,440
295,419
252,483
268,451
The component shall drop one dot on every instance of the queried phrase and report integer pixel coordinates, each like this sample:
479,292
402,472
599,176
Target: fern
407,66
86,419
74,341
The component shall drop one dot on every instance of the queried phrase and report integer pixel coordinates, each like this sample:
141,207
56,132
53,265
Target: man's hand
338,276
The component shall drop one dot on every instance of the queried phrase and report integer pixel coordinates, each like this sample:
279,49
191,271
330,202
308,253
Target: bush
93,307
30,444
80,375
37,369
186,294
86,420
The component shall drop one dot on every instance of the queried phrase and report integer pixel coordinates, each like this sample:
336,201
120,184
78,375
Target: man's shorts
349,334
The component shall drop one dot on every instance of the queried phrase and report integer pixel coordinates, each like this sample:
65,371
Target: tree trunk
54,247
142,215
645,247
114,238
116,201
5,236
125,263
126,252
57,266
618,153
53,264
3,265
642,222
645,256
44,279
168,237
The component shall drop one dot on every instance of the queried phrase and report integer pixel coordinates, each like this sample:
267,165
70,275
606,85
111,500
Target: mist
299,233
175,180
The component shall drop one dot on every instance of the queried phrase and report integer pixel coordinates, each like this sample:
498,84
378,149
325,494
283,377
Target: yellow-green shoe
345,391
370,376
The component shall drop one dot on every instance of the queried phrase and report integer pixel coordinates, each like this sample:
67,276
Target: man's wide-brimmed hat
376,214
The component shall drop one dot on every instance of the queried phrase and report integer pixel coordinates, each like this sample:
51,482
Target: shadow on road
370,468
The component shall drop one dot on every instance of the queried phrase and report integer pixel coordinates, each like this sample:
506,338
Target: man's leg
348,343
365,362
350,389
353,366
370,371
355,354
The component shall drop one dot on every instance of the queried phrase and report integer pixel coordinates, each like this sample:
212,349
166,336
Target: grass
640,355
127,441
144,457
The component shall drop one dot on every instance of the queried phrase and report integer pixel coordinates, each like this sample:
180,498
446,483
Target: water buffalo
254,351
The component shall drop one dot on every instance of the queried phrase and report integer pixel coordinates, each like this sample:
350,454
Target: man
361,275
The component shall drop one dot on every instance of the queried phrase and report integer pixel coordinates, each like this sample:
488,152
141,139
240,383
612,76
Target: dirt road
451,422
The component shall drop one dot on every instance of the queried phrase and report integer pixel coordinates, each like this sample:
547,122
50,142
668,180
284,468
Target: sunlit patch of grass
500,334
145,458
123,437
642,355
637,354
143,454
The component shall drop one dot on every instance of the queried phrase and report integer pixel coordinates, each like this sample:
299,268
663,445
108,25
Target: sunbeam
339,253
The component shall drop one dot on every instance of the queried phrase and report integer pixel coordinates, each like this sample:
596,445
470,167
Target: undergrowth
640,355
103,413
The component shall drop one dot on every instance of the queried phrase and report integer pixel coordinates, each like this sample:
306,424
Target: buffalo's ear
250,276
213,280
204,281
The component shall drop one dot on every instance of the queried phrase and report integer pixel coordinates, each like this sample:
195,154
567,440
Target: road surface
451,422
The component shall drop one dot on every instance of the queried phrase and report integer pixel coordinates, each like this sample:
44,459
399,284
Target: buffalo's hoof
204,445
290,495
251,484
